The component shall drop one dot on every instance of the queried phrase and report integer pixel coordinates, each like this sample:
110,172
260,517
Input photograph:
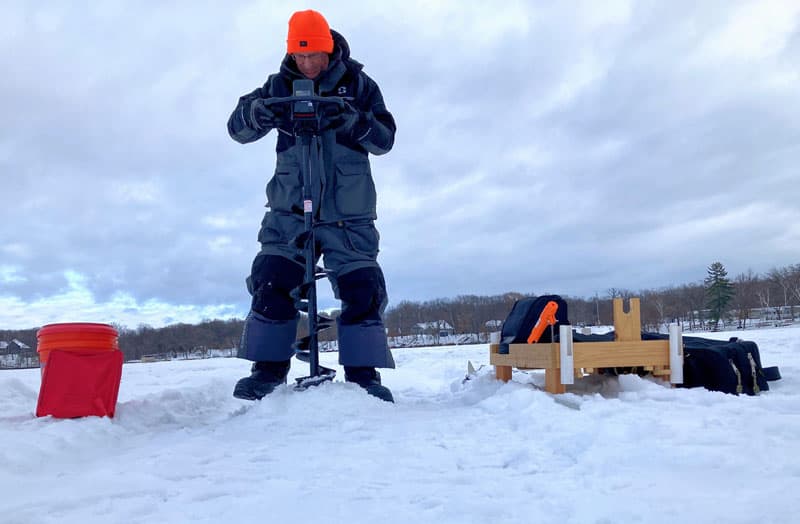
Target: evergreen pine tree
719,291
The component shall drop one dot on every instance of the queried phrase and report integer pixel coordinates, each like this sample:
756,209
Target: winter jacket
342,183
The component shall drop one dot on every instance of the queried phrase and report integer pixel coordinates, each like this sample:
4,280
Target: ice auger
306,113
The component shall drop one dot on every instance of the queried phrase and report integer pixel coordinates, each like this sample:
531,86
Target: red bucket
75,336
81,369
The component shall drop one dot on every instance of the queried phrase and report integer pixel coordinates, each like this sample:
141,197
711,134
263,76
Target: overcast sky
565,147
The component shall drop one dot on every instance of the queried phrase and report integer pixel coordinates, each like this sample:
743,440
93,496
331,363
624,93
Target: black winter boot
265,377
370,380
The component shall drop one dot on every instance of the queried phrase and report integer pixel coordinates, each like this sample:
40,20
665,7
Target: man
344,212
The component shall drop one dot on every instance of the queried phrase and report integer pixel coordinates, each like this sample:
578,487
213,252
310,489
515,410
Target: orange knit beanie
309,33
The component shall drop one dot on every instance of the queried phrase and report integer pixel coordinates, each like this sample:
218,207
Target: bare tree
763,293
745,299
782,278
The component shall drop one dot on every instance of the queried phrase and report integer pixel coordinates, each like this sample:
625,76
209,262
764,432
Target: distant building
494,324
17,354
14,346
20,345
439,328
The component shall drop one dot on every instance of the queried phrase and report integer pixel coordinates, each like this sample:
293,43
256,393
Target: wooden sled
564,361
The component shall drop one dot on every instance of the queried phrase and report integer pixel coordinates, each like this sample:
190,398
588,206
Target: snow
181,449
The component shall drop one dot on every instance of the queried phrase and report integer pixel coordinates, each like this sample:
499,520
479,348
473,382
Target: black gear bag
731,367
523,317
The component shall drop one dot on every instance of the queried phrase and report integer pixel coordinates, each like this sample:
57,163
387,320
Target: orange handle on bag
547,318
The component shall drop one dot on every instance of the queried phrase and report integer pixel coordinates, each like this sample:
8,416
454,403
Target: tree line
697,306
179,340
701,305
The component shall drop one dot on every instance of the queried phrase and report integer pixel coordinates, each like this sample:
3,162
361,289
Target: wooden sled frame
564,361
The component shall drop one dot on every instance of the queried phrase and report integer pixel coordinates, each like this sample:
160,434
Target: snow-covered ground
181,449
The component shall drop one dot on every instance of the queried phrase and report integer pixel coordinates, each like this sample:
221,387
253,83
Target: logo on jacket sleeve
342,90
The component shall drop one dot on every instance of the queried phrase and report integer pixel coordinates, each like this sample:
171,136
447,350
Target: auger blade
301,291
301,305
326,375
302,344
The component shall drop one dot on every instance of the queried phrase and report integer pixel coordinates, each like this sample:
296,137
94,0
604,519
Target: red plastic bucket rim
76,327
75,336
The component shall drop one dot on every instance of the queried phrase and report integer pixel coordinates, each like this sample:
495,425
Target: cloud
541,147
74,302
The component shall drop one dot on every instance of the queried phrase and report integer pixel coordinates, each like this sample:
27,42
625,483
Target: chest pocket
285,188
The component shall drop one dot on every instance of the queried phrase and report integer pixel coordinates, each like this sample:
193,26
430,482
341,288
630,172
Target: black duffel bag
523,317
731,367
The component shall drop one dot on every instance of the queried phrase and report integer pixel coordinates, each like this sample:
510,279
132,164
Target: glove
264,116
342,118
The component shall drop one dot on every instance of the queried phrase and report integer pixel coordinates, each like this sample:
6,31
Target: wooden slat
519,363
536,355
612,354
527,356
587,355
627,326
